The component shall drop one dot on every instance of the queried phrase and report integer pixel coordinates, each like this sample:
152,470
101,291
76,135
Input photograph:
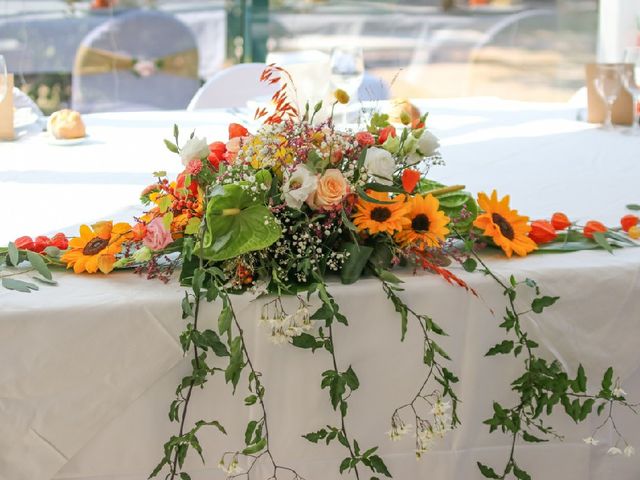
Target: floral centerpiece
278,212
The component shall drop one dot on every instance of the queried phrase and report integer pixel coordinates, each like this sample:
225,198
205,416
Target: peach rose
332,188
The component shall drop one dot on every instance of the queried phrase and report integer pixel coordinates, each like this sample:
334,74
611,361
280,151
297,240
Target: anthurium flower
504,226
542,231
96,248
593,226
560,221
410,179
628,221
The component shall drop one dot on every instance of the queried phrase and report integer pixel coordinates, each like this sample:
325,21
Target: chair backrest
233,87
142,60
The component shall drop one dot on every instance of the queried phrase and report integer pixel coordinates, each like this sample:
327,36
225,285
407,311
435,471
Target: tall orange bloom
96,248
506,228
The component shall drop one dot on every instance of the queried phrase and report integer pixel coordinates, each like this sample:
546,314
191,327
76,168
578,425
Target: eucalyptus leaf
18,285
38,263
14,255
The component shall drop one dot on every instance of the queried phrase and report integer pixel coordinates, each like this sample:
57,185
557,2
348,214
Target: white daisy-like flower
591,441
614,451
629,451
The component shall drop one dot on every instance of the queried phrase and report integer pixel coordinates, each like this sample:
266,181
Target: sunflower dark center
505,227
420,223
380,214
94,246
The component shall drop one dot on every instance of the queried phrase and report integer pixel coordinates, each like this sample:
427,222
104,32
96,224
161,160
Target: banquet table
89,366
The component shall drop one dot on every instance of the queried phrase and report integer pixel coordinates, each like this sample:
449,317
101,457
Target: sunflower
389,217
96,248
507,229
428,224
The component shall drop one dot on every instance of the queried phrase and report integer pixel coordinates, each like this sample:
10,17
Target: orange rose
592,227
628,221
332,188
542,232
560,221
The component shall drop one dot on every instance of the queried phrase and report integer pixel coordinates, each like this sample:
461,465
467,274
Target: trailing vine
427,429
341,385
543,385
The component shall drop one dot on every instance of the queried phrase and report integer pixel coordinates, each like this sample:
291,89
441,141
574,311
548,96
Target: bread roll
66,124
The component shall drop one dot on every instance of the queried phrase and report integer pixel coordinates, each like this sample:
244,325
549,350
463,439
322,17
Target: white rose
428,143
380,164
194,148
298,186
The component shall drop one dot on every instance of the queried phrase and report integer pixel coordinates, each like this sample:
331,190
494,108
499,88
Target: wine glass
3,79
631,82
347,70
608,85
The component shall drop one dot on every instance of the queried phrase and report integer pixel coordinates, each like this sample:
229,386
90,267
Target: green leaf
14,255
503,347
607,380
351,379
252,228
521,474
248,433
46,281
358,255
192,226
224,320
18,285
337,390
633,206
250,400
255,448
470,264
212,340
378,465
345,464
527,437
171,146
304,340
53,252
541,303
487,471
580,383
601,240
185,476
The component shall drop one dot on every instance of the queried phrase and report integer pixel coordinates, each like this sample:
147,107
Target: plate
62,142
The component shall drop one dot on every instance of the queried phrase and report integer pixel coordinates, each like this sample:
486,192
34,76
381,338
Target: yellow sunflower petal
105,263
91,264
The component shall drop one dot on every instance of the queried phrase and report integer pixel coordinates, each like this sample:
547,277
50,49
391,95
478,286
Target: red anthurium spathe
410,179
237,130
593,226
560,221
385,132
629,221
24,243
217,153
542,231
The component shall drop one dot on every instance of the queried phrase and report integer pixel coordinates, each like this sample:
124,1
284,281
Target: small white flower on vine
398,431
232,468
614,451
302,317
619,392
629,451
591,441
440,408
278,336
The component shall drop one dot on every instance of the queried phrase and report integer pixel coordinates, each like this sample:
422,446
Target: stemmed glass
3,79
347,70
608,85
631,82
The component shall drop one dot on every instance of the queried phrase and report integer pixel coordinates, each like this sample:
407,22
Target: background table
89,367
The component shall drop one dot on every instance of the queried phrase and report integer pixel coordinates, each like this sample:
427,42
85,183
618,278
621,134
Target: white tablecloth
89,367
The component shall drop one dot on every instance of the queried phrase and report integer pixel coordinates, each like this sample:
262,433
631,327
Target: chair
232,87
143,60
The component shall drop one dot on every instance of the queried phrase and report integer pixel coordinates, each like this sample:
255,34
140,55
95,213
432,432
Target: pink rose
157,237
332,188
